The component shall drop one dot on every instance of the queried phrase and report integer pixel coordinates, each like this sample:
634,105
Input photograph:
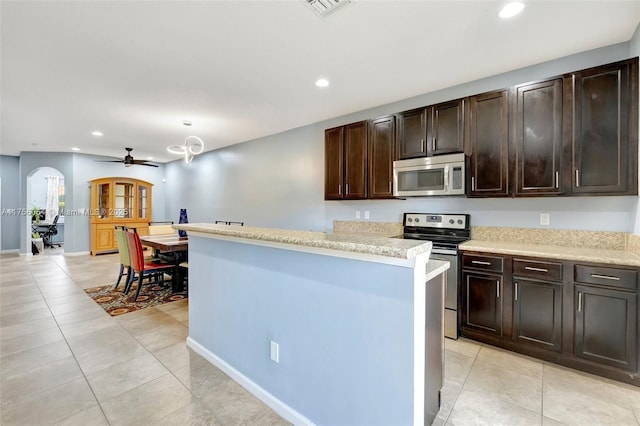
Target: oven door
451,291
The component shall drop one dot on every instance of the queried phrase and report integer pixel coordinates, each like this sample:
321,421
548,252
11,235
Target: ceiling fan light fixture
325,7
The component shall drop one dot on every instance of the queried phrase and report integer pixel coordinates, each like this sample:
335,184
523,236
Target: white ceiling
245,69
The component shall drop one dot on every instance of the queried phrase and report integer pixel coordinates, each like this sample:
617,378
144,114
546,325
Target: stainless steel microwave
427,176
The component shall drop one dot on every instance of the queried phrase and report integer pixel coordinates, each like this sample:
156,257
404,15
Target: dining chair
123,252
161,228
183,274
140,266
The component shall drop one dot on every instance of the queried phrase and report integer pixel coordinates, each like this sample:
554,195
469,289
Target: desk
170,243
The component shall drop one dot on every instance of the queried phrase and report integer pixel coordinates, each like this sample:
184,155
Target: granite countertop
363,243
581,254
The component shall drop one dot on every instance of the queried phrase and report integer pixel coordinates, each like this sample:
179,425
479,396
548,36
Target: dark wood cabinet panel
538,138
537,313
482,304
606,326
412,133
355,160
333,163
604,130
487,143
345,162
446,132
382,133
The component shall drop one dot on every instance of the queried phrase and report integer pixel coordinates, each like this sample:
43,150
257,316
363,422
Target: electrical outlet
274,352
357,214
545,219
366,214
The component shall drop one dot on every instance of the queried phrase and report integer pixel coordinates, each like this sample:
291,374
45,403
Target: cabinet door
538,140
333,163
355,160
447,128
381,148
604,161
104,238
488,139
605,326
482,302
412,132
537,313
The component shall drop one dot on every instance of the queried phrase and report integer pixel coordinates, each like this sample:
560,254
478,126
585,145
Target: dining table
170,247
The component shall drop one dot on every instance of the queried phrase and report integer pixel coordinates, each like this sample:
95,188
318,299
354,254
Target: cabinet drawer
486,263
537,269
612,277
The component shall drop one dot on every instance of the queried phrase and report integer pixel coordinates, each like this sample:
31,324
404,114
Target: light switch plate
357,214
274,352
366,214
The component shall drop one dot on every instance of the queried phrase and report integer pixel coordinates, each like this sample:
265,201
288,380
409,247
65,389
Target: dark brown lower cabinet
537,313
482,302
581,315
606,326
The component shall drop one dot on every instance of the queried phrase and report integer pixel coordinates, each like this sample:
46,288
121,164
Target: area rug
115,302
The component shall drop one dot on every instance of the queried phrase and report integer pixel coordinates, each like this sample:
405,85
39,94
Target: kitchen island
324,328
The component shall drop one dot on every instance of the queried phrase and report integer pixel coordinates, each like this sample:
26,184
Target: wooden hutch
117,201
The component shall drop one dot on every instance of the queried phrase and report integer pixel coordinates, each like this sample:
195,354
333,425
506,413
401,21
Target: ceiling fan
129,161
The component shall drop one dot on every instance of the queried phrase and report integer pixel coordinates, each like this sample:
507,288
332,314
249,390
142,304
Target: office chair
49,232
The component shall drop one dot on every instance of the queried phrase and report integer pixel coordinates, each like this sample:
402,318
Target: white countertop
367,244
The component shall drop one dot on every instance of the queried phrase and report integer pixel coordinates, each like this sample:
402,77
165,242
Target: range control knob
417,219
409,220
451,221
459,221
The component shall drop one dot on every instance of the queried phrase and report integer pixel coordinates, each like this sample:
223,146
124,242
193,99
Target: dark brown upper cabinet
538,138
345,168
412,134
382,134
446,131
487,144
602,140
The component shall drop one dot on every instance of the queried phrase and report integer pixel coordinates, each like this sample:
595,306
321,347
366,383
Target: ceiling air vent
325,7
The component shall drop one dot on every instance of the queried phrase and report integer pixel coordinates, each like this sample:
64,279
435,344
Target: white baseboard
274,403
80,253
10,251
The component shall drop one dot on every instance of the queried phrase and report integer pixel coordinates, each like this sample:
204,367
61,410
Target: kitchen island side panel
344,328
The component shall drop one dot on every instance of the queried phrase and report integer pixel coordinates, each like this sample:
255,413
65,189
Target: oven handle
444,251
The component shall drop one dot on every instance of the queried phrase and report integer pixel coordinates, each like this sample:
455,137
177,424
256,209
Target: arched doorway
45,202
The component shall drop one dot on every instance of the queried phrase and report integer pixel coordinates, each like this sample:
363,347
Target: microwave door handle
446,179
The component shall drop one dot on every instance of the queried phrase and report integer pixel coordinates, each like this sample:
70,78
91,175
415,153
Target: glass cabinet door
123,206
143,202
103,201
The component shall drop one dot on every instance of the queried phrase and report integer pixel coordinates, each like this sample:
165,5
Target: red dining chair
140,266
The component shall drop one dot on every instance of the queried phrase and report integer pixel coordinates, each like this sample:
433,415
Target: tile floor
64,361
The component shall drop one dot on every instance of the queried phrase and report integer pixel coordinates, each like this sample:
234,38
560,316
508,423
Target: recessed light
149,158
322,82
96,133
75,148
511,9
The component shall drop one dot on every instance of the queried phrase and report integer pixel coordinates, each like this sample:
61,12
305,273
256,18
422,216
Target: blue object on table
183,219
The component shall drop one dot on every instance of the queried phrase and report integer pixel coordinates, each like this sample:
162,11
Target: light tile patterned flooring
64,361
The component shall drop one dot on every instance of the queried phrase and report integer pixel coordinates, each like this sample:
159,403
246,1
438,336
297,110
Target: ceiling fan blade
143,163
109,161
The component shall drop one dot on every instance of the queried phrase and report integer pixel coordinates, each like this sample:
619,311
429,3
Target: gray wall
9,172
278,180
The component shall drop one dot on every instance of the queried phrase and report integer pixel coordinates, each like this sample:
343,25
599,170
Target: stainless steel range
446,232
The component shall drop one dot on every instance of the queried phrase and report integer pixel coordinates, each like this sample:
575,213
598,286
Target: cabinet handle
479,262
579,301
557,179
433,144
516,295
531,268
339,189
473,183
577,178
347,188
390,191
606,277
421,145
497,288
